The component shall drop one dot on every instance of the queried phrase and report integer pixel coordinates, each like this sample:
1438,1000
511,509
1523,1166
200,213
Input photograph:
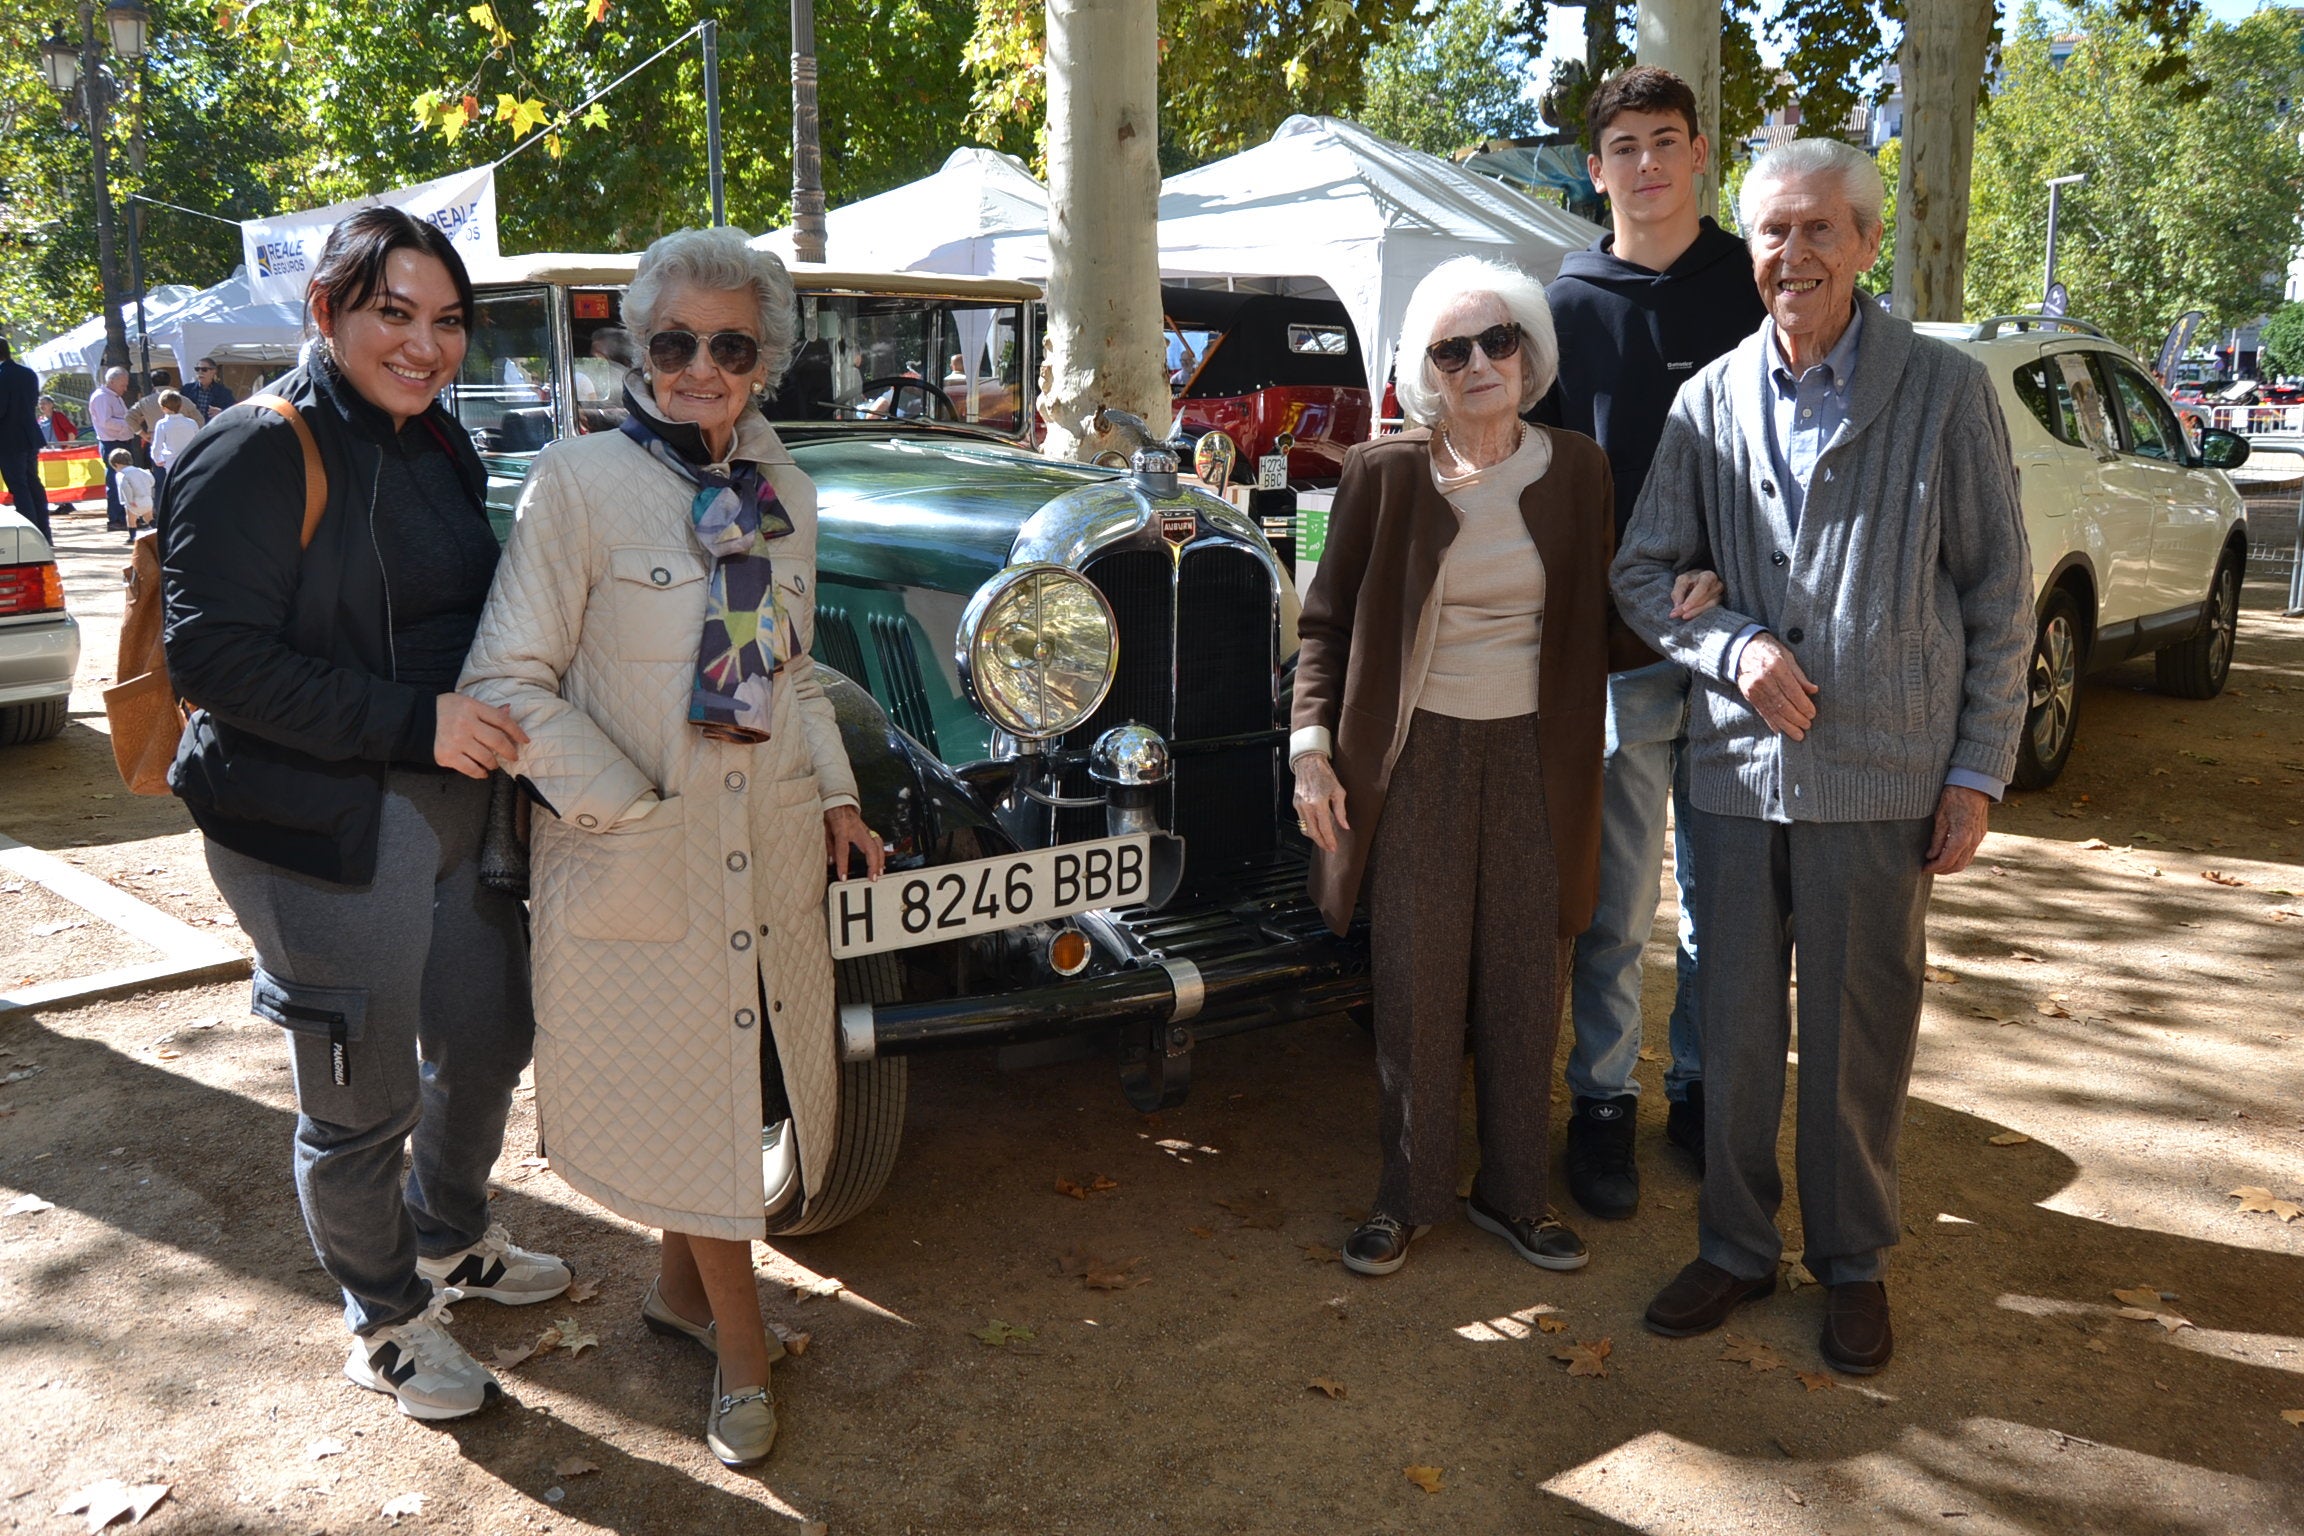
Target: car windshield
890,358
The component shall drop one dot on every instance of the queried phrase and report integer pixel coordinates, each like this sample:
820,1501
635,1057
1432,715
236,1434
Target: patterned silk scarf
747,635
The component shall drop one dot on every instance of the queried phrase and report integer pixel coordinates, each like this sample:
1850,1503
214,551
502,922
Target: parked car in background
1256,365
2138,538
1065,690
39,640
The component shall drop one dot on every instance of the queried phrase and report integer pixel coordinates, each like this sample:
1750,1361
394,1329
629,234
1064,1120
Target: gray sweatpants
1850,898
407,1008
1464,918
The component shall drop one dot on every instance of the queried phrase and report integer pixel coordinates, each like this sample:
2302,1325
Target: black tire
2052,693
37,721
2197,668
872,1100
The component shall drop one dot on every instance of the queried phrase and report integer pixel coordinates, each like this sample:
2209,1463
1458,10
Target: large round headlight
1037,650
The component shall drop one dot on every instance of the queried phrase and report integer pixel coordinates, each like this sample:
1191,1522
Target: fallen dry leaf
2051,1008
997,1333
2167,1320
508,1357
2294,1416
572,1466
29,1205
1793,1494
581,1291
320,1449
1647,1054
1065,1186
1941,977
1426,1478
2008,1139
1552,1325
406,1504
1815,1381
1751,1352
794,1341
825,1285
575,1337
1586,1359
2140,1296
2221,878
2095,845
1798,1276
1201,1232
1328,1384
1319,1254
2254,1197
2100,1346
1256,1209
108,1500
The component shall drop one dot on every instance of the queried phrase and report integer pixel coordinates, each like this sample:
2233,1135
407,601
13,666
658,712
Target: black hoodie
1629,338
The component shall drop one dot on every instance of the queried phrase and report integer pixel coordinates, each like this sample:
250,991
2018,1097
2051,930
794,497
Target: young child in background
170,434
138,494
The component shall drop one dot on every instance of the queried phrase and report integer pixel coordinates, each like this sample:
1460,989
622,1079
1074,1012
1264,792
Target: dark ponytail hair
351,270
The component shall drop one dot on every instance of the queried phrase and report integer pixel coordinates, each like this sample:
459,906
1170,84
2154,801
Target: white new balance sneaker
500,1270
421,1366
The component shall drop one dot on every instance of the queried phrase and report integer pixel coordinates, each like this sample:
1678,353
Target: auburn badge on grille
1178,527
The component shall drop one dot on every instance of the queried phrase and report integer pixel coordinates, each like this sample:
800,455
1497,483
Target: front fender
903,791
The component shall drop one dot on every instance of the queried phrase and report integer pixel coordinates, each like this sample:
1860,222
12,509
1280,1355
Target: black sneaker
1601,1172
1542,1240
1684,1124
1379,1245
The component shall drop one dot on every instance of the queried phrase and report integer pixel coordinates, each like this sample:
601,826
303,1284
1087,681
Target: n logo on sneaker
389,1364
477,1272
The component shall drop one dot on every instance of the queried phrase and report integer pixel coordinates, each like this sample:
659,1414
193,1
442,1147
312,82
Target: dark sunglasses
1498,342
203,368
671,351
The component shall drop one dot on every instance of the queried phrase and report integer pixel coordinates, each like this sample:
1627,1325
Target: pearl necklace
1518,442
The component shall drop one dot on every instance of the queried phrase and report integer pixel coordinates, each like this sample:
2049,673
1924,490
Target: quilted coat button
660,576
778,1005
734,781
736,862
587,821
740,939
744,1018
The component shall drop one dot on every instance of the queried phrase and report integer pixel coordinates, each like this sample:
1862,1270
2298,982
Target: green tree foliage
1452,79
2193,184
2280,349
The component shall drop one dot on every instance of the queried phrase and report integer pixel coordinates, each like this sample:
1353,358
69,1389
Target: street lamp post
67,67
2056,186
807,156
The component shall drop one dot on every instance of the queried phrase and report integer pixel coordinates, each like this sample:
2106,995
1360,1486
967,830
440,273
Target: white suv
2138,539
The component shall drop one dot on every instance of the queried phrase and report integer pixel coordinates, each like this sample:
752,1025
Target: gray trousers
408,1013
1464,903
1850,898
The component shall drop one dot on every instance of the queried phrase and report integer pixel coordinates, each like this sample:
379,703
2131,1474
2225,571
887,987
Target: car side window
2152,429
2095,417
2042,388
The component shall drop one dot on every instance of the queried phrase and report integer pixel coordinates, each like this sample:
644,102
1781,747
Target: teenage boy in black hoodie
1638,314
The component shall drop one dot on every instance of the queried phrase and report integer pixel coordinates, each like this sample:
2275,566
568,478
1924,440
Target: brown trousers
1464,912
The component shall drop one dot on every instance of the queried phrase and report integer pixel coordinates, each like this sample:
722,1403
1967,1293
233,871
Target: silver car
39,641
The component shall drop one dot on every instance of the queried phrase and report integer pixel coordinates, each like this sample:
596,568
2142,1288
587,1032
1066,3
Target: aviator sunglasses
671,351
1498,342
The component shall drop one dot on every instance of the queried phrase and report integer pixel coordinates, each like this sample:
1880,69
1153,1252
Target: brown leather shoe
1700,1298
1857,1338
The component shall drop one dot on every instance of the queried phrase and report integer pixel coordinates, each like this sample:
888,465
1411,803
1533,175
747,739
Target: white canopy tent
952,221
227,324
1326,198
81,349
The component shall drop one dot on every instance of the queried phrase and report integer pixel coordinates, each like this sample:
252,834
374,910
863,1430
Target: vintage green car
1064,689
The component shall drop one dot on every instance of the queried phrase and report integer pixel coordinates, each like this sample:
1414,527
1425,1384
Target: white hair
114,373
1858,173
1522,297
715,261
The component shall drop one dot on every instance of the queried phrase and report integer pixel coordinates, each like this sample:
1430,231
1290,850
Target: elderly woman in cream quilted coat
649,629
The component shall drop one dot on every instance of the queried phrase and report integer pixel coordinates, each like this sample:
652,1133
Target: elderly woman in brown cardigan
1451,701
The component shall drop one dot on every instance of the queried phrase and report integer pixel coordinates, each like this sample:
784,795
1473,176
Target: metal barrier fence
2247,420
2276,543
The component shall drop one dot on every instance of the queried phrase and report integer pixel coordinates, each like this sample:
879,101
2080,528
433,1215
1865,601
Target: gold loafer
661,1319
740,1429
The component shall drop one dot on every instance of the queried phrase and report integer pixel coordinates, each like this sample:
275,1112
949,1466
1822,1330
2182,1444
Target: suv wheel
2196,668
37,721
872,1098
2052,689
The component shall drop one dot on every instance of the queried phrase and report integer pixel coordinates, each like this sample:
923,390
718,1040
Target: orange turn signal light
1068,952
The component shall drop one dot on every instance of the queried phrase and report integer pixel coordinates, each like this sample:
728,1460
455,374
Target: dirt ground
2104,996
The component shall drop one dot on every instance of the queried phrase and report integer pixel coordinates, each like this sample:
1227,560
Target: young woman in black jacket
341,784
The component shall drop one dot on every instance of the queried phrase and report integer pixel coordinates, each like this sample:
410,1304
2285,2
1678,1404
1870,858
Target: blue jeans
407,1010
1646,766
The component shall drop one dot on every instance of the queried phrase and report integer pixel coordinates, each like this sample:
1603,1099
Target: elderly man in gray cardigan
1858,696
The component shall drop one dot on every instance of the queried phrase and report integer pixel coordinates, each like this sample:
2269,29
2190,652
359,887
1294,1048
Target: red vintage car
1255,365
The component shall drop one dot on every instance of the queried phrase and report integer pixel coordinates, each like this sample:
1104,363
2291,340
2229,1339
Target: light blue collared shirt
1804,415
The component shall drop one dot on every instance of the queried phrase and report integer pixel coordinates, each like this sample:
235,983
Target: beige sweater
1491,593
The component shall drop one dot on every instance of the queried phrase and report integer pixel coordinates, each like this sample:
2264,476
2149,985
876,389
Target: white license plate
1272,472
955,901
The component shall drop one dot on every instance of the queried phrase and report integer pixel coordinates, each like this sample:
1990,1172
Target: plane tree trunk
1942,65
